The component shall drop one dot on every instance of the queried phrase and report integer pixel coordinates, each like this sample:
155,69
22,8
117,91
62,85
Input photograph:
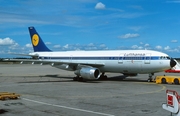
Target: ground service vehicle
167,79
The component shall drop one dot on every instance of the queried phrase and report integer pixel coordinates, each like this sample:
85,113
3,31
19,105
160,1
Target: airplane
92,65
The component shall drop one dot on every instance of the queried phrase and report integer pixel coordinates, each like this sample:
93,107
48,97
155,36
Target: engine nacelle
88,73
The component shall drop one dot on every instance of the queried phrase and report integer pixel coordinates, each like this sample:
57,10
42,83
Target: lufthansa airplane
90,65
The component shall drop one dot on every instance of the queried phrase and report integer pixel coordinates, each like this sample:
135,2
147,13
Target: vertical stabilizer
37,42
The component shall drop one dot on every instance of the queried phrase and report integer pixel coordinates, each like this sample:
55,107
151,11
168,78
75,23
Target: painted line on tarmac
155,91
65,107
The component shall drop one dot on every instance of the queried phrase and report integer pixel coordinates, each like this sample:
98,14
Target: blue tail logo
37,42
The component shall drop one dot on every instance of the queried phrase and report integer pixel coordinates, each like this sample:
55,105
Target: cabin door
70,58
120,59
147,58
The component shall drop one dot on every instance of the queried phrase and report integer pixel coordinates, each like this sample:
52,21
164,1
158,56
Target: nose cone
172,62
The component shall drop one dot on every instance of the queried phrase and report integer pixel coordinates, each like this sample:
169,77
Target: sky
91,25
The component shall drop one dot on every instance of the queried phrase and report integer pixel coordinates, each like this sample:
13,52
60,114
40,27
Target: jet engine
88,73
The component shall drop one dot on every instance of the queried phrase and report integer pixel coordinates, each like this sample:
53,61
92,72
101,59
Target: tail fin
37,42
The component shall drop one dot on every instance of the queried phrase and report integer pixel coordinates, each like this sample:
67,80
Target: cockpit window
165,57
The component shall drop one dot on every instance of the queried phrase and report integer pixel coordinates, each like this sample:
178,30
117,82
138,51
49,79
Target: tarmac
47,91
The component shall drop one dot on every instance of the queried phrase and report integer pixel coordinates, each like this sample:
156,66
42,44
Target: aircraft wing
31,55
52,62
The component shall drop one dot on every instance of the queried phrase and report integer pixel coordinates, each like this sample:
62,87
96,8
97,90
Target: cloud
102,46
56,46
115,9
100,6
130,15
141,46
167,48
136,47
91,44
158,47
135,28
129,35
28,45
9,18
48,43
66,46
176,50
141,43
7,41
174,41
173,1
146,45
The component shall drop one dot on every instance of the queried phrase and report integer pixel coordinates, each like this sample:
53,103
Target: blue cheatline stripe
103,58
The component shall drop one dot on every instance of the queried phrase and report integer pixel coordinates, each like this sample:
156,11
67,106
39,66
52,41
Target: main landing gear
150,79
103,76
77,78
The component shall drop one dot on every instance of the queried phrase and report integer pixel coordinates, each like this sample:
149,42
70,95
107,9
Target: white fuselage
120,61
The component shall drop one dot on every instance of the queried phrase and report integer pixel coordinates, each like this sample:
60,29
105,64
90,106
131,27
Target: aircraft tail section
37,42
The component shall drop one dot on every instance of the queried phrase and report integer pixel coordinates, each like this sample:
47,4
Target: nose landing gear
150,79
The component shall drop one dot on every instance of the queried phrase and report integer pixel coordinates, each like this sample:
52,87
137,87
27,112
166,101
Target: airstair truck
172,103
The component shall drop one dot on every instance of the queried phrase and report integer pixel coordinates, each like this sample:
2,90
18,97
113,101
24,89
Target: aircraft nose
172,62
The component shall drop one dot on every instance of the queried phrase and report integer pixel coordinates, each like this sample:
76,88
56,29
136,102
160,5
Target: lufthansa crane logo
35,40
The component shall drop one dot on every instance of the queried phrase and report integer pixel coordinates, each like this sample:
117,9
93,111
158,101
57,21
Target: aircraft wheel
103,77
75,79
163,81
176,81
81,79
150,79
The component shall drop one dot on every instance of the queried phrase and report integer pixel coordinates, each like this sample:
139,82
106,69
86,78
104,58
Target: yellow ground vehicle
7,95
167,79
